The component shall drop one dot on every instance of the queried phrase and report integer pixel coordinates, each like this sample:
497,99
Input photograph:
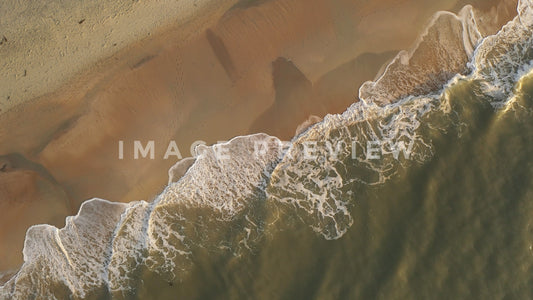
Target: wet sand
256,68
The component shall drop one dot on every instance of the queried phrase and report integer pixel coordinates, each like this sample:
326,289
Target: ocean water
444,213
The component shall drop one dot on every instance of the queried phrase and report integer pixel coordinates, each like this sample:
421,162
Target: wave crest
220,205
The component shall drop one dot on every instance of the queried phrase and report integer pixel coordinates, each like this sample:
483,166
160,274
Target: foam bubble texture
103,247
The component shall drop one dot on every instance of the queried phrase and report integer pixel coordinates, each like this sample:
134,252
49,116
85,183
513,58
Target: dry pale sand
47,43
264,67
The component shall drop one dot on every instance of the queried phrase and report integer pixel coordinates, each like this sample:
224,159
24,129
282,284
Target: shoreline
121,104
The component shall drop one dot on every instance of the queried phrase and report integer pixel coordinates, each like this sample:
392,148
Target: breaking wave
231,205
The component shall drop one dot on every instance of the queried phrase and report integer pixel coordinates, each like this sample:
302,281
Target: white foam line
405,55
348,114
62,247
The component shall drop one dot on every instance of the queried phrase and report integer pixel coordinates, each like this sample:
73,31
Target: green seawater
458,226
453,220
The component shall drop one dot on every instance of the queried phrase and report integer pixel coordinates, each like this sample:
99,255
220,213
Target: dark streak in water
244,4
221,53
143,61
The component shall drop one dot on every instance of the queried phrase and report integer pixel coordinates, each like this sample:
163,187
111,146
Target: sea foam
103,248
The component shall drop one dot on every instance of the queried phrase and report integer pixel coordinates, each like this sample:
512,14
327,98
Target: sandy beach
176,71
